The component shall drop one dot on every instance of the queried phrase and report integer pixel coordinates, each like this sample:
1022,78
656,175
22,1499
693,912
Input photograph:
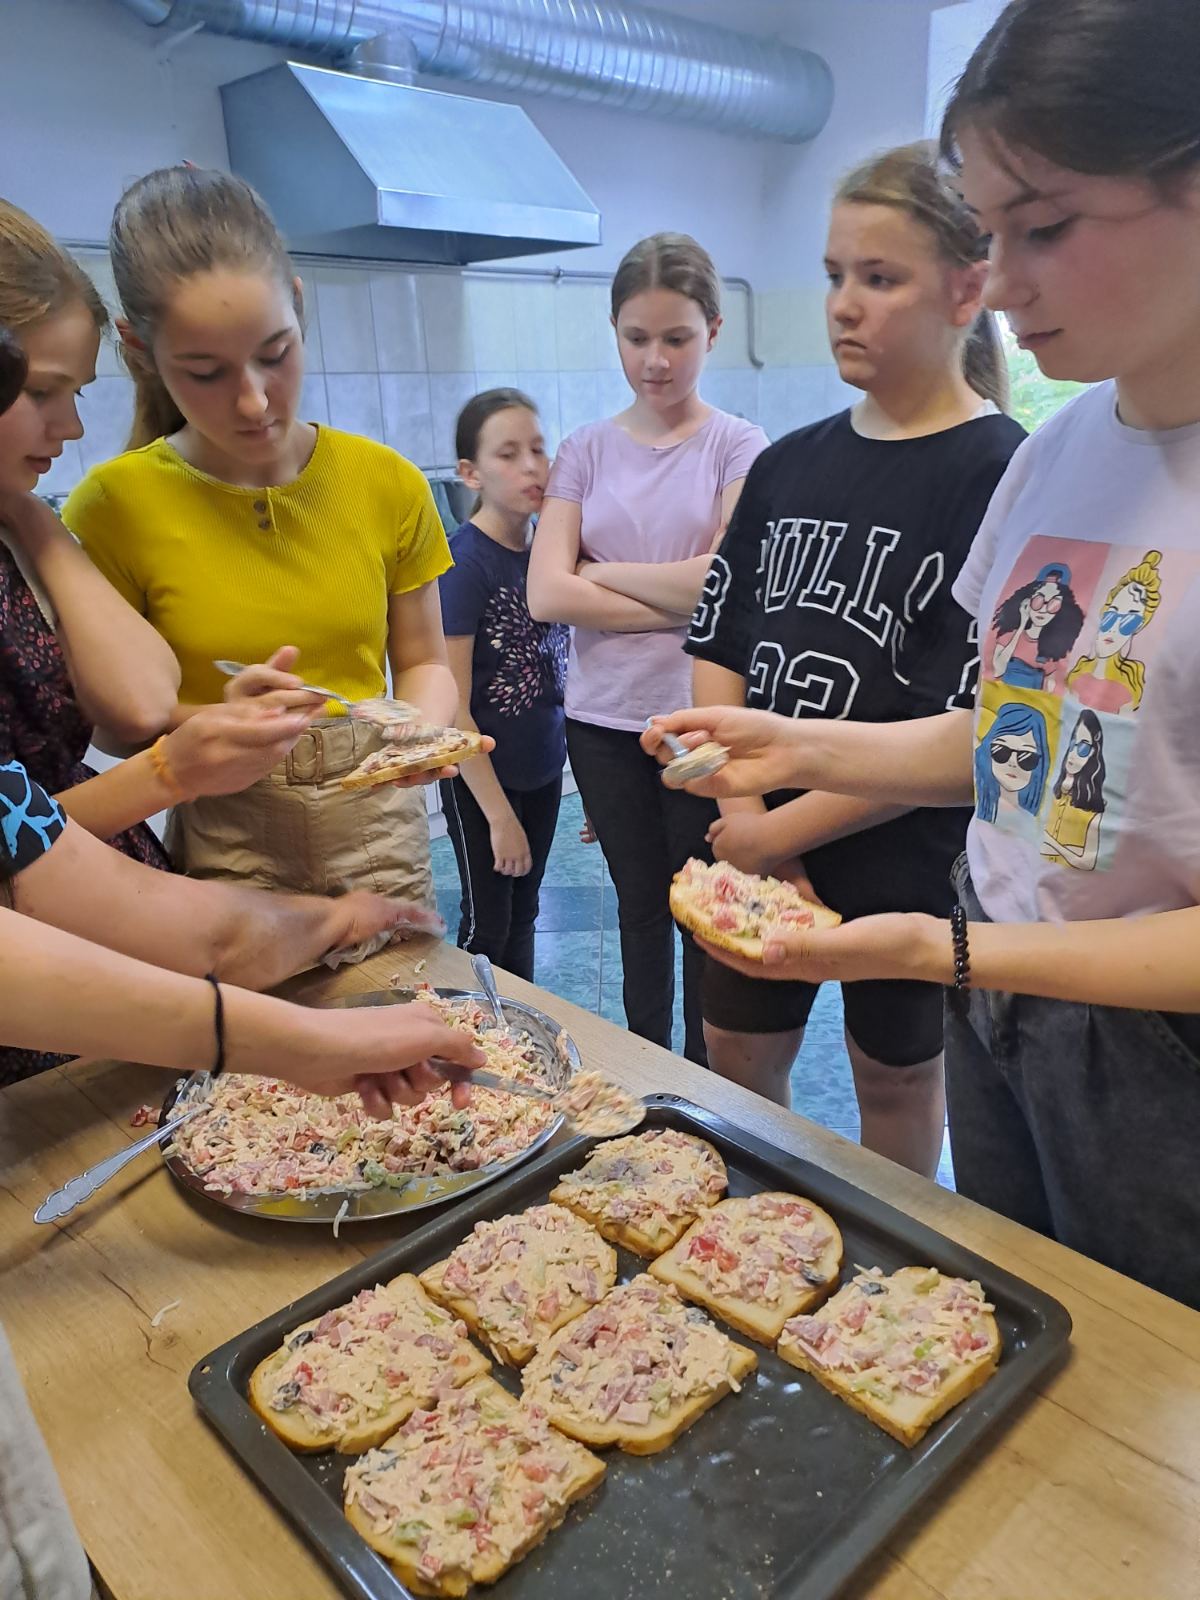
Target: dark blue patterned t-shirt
30,820
518,667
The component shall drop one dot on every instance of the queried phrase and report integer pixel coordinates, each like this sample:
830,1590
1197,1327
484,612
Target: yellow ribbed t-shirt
234,573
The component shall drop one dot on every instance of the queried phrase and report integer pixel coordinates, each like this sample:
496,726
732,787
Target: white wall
99,98
954,31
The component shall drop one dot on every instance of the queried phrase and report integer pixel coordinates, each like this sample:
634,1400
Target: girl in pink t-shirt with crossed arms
635,506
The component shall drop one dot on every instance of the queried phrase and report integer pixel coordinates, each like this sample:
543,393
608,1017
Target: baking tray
557,1050
779,1493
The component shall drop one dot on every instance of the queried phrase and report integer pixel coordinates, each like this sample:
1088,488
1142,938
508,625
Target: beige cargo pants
297,830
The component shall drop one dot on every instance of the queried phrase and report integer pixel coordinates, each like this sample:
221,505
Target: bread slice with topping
645,1190
756,1261
739,912
903,1349
346,1380
636,1370
514,1280
436,748
462,1493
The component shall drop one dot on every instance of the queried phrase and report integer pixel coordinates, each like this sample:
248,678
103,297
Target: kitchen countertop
1092,1491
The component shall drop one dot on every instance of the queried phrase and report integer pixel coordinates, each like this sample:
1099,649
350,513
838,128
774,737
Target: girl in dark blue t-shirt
502,810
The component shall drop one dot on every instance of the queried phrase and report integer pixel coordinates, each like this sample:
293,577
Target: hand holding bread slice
902,1349
739,912
423,749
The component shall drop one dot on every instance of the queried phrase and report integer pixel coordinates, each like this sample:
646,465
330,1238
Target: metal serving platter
781,1492
556,1049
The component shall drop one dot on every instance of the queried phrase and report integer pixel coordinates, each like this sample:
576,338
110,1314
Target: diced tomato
535,1471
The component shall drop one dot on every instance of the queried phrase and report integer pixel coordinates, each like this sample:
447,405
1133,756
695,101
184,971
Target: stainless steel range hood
360,167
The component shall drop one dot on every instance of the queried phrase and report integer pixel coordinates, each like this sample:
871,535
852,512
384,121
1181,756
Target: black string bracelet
962,953
218,1024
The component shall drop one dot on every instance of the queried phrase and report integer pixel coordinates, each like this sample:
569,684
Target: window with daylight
1034,397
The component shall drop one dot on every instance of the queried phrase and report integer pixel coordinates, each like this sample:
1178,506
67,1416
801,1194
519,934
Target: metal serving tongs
686,765
78,1189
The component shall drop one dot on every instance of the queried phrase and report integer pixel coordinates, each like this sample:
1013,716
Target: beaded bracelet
962,954
218,1025
163,772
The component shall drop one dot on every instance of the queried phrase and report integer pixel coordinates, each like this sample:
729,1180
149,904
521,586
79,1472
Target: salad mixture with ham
467,1484
262,1136
650,1181
360,1359
759,1248
597,1106
907,1333
523,1271
639,1355
739,903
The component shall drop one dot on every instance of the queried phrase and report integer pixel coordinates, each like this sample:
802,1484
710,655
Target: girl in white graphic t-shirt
1072,1045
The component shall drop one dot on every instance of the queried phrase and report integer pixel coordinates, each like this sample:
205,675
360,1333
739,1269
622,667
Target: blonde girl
236,527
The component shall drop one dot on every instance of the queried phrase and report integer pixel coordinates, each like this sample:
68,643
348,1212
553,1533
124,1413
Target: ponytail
155,414
985,366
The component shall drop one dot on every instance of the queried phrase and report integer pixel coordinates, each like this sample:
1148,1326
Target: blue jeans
1082,1122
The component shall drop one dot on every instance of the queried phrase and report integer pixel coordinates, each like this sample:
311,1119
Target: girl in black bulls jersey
830,598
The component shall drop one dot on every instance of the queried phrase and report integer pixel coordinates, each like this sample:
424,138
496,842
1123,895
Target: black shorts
902,865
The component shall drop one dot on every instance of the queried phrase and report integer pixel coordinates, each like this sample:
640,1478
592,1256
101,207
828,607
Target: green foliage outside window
1034,398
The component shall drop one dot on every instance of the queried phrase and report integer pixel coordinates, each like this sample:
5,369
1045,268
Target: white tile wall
534,329
346,319
408,415
355,404
399,329
395,353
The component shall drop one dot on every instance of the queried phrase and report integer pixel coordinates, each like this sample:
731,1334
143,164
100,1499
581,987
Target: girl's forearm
669,585
118,799
59,992
430,686
1147,963
479,775
124,673
924,762
565,597
818,818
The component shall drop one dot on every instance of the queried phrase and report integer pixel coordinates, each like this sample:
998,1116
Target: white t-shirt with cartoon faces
1085,582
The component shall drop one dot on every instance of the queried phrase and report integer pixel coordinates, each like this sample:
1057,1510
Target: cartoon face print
1036,626
1112,678
1072,836
1011,762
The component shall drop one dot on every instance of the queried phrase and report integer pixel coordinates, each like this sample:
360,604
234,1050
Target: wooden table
1092,1492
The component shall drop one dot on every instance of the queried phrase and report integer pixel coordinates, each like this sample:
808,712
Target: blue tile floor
579,957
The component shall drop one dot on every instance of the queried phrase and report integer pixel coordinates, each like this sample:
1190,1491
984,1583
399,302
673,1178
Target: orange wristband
162,771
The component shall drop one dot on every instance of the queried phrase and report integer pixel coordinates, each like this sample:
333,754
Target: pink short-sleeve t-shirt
644,503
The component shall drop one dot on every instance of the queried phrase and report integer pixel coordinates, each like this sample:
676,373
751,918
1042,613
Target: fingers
786,963
284,659
693,720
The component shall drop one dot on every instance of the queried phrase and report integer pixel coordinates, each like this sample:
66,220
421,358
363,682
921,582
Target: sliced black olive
300,1338
872,1287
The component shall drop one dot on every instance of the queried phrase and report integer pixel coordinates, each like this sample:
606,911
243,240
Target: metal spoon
482,968
232,668
73,1193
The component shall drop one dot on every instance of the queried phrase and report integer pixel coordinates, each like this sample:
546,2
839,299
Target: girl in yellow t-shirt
234,526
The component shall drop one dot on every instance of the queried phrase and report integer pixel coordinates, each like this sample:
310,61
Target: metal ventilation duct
593,50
